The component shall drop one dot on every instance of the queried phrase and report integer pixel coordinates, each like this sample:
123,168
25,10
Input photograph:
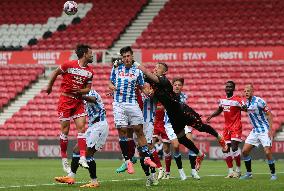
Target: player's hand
208,120
48,90
111,87
76,92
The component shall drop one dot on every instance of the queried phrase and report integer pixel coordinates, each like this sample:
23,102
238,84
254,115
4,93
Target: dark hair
126,49
81,49
165,65
181,80
231,82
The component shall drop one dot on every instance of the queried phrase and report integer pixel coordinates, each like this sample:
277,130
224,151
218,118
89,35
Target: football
70,7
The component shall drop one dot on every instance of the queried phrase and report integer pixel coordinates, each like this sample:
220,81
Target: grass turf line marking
129,179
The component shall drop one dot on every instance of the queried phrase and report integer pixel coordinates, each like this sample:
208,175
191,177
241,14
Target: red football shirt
75,76
159,115
232,111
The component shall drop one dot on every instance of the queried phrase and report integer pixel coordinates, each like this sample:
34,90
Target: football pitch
38,174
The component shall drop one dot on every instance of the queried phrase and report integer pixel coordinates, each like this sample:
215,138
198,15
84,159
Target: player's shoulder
238,98
259,100
69,63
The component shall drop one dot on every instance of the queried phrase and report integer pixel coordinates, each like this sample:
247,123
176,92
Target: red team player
159,131
77,79
231,106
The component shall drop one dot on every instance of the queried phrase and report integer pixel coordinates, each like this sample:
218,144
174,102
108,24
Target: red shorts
159,131
235,134
69,108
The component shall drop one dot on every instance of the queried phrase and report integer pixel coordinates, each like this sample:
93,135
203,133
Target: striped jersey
183,98
232,111
149,109
256,112
96,111
125,80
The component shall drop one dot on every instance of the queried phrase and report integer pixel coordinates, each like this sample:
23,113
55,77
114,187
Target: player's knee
245,152
267,151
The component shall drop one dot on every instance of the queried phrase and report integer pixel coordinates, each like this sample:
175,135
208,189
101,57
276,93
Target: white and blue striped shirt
125,81
149,109
256,112
183,98
96,111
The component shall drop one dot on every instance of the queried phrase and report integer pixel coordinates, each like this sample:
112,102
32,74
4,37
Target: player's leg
121,123
183,139
245,152
156,158
70,178
65,126
64,113
177,157
136,120
80,123
148,129
175,145
236,154
96,138
193,119
192,156
227,154
131,145
271,162
168,158
123,143
266,142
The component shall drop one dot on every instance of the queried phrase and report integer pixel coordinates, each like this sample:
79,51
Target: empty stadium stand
204,83
99,28
15,78
205,23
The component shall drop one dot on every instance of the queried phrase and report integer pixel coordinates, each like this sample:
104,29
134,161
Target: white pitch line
115,180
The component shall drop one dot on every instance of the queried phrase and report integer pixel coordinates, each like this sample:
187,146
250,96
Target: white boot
83,162
182,174
65,165
194,174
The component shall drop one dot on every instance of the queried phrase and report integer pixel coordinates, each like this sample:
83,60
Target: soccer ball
70,7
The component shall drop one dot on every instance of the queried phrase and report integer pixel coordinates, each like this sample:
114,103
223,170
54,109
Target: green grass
39,175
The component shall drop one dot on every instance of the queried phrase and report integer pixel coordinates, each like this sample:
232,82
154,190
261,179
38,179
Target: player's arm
147,90
91,99
111,86
243,106
147,73
216,113
85,90
112,79
53,77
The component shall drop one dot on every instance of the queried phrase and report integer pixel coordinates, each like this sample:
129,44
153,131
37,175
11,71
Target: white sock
153,175
238,169
193,171
230,170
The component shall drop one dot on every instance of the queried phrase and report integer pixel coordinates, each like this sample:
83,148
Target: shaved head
248,91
